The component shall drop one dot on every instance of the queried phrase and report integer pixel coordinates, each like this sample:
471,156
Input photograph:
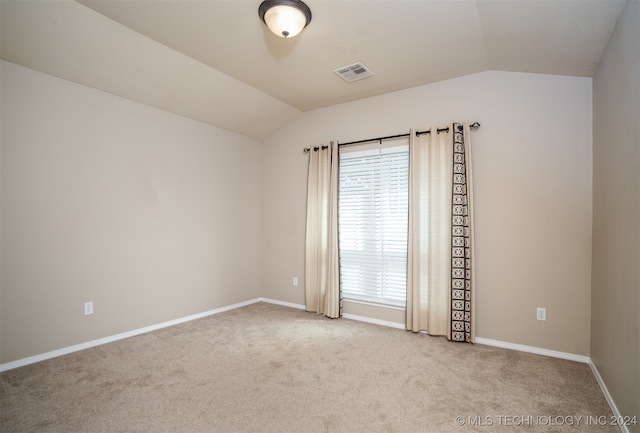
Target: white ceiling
214,61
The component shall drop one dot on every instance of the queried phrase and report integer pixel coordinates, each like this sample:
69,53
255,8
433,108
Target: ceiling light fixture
285,18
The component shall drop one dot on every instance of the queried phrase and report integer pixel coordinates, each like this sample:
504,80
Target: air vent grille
354,72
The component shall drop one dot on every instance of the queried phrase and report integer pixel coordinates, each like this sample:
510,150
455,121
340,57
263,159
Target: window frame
368,297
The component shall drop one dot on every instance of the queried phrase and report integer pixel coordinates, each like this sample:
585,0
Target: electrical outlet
541,314
295,281
88,308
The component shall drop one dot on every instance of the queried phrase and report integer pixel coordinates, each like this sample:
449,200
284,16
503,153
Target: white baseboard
531,349
345,316
283,303
374,321
607,396
93,343
66,350
478,340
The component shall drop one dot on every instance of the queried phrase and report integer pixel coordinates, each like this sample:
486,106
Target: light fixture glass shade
285,18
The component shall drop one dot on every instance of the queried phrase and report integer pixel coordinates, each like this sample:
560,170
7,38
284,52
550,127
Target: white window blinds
372,215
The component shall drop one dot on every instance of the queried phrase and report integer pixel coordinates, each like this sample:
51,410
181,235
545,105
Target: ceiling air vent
354,72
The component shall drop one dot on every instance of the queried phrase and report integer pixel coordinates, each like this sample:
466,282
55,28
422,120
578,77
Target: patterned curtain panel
440,252
322,274
462,266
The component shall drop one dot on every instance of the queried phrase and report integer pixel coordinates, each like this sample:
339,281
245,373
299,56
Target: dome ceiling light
285,18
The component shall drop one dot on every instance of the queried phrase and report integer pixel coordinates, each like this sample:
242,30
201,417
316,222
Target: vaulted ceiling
214,60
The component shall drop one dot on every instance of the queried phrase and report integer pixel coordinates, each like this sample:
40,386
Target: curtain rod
474,126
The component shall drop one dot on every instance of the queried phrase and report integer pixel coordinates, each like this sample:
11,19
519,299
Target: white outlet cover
88,308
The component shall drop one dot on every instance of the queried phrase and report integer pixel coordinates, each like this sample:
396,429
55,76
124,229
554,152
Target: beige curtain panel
322,277
440,281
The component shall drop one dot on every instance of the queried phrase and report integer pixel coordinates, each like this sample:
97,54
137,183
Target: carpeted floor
266,368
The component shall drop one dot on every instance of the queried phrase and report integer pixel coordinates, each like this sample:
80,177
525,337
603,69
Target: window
372,224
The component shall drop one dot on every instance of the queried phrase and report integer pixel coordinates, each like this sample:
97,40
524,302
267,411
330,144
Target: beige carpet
266,368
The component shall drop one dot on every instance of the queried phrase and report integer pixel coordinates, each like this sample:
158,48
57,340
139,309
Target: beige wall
155,217
149,215
532,164
615,311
